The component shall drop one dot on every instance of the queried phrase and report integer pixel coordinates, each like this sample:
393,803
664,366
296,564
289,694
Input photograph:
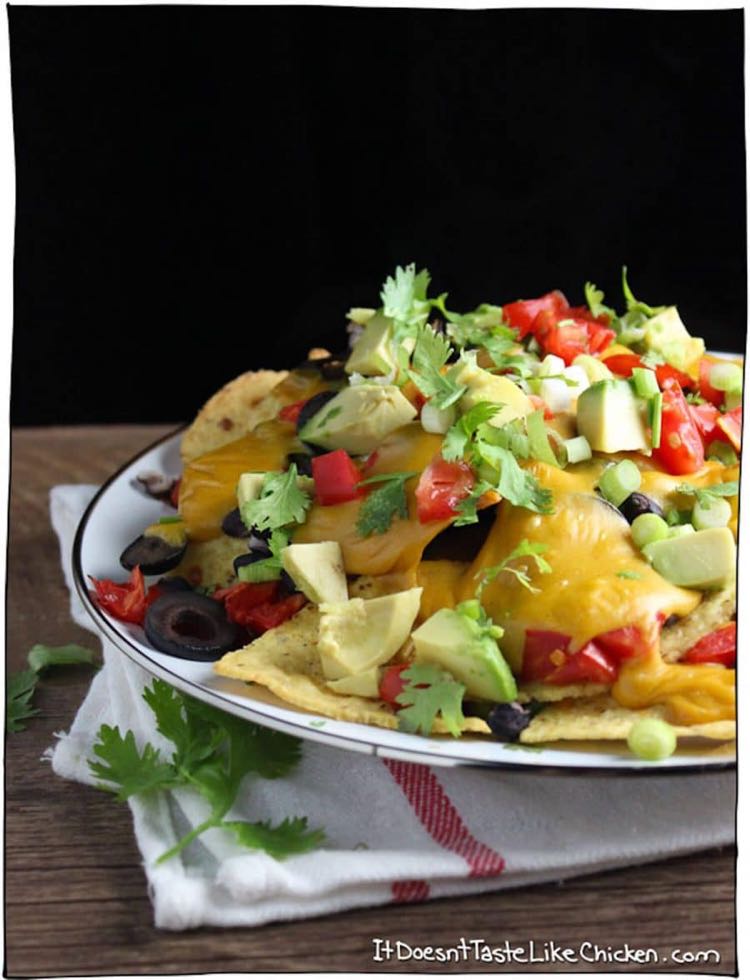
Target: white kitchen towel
395,831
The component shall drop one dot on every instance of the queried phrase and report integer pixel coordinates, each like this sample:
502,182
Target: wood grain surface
76,901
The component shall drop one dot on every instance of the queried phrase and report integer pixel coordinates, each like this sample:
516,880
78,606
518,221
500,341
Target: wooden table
76,900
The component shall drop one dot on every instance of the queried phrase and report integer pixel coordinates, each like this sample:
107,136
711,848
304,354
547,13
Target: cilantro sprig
213,753
595,301
21,686
526,549
281,502
430,692
377,510
404,298
704,495
431,353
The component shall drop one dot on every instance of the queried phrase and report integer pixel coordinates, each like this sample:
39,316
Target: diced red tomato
392,684
705,387
174,492
623,365
681,447
546,656
290,413
127,601
730,427
270,614
257,604
718,647
522,313
567,336
705,417
441,487
336,478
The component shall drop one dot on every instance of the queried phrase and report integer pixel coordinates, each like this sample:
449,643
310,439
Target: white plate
118,514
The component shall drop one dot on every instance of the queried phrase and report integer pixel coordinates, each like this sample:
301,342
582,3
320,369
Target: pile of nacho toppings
519,521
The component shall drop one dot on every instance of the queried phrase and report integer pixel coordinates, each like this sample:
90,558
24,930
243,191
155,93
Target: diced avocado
363,633
373,353
666,334
457,643
358,418
595,369
702,560
364,685
483,386
612,418
317,570
360,314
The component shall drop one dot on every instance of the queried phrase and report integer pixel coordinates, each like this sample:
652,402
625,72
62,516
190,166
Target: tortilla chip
603,718
537,691
232,412
210,563
717,609
286,661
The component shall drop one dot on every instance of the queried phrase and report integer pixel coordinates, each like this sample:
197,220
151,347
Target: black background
202,190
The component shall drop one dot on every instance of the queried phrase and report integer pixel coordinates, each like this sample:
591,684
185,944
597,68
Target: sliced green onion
675,516
647,528
645,382
723,452
259,571
170,519
652,739
577,450
680,530
539,447
726,377
619,481
437,420
716,512
654,419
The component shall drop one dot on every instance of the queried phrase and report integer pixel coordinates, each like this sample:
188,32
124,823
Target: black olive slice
189,625
507,721
234,526
153,554
257,554
312,406
637,504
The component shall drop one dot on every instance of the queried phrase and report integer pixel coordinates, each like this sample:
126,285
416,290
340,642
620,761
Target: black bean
637,504
507,721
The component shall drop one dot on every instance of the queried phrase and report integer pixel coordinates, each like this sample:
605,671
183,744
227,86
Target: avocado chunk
595,369
373,353
317,570
359,418
483,386
467,651
666,334
704,560
364,685
363,633
612,418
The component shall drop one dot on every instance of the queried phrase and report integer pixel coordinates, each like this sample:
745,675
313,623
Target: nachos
519,521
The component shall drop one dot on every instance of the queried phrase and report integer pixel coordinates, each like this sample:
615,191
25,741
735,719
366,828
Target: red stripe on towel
410,891
441,819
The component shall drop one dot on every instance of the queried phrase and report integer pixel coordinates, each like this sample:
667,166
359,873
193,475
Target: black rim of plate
252,712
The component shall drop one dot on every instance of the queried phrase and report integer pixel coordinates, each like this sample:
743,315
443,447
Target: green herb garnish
431,352
526,549
213,752
377,510
704,495
281,502
430,692
20,686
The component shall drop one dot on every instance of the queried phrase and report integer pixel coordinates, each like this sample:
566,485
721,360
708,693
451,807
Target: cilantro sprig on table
213,752
281,502
377,510
21,686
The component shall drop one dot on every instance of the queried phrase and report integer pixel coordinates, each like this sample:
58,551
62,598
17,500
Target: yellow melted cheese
587,544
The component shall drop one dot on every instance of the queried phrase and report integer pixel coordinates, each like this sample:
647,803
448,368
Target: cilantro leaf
281,502
595,301
704,495
377,510
288,837
484,327
213,752
459,435
431,352
625,573
18,693
404,297
41,656
526,549
517,486
466,508
122,764
636,306
430,692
